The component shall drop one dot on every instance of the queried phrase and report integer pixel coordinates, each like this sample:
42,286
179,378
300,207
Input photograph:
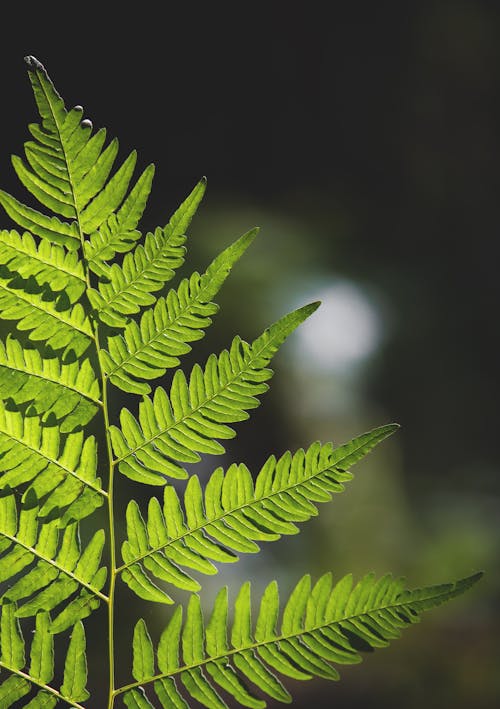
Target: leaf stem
112,545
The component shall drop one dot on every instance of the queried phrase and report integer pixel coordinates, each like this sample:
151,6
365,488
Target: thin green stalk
112,545
110,499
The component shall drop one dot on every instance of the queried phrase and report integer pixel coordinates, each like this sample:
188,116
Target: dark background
364,142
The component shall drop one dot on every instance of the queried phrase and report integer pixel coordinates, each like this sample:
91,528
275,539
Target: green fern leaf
123,290
73,181
69,391
75,667
33,453
12,642
174,428
49,263
50,228
309,642
144,654
61,569
148,348
48,317
118,233
42,650
233,514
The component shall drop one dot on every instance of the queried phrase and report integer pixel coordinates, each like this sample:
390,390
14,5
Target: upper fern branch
233,514
148,348
174,428
126,289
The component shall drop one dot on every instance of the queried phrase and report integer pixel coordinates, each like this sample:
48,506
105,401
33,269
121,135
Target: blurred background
363,140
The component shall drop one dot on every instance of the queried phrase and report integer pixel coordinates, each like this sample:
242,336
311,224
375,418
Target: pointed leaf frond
70,391
175,428
321,627
124,290
75,667
48,317
148,348
68,168
47,263
57,472
54,565
118,233
69,171
233,514
128,288
41,667
50,228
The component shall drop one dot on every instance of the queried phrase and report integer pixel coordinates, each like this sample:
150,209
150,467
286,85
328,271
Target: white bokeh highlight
343,333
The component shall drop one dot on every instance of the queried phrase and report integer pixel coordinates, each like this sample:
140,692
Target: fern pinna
85,294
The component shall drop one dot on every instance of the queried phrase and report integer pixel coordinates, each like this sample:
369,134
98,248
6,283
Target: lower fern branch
319,625
24,677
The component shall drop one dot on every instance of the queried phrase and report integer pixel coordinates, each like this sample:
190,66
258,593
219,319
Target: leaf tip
33,64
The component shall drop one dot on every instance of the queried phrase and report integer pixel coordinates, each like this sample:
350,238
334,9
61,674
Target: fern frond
320,627
47,316
32,452
118,234
233,514
54,565
68,171
49,263
147,349
177,427
69,391
41,669
50,228
69,298
124,290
